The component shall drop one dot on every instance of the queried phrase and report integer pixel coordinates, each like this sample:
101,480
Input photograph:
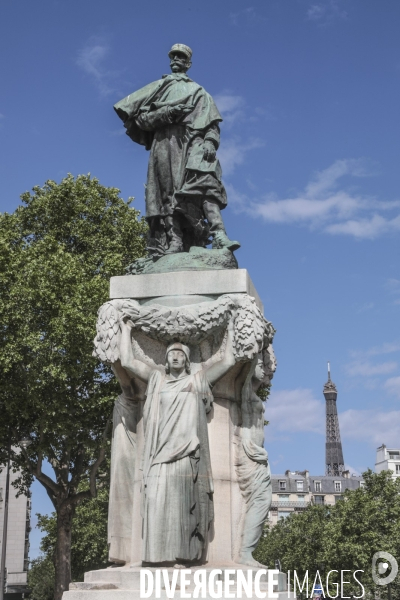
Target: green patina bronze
178,121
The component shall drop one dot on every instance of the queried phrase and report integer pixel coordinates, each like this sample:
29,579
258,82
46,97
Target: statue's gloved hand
209,151
179,111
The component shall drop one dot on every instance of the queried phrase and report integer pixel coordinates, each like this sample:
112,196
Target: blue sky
309,91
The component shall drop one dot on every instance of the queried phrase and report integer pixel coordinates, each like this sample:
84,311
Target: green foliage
263,392
89,536
343,536
57,253
41,577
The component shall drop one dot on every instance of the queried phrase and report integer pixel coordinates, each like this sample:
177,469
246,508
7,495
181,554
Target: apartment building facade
294,491
388,459
17,561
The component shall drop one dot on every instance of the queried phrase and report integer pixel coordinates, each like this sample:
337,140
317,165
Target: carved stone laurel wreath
189,324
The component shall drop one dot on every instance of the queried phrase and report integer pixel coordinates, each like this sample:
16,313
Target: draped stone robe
123,458
177,487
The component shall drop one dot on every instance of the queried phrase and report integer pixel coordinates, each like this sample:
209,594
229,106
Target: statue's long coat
176,165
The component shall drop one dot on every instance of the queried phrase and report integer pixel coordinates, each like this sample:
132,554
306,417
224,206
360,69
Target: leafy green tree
89,535
58,251
296,541
368,521
41,578
340,537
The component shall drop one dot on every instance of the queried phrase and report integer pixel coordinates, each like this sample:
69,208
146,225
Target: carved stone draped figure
252,464
161,445
176,468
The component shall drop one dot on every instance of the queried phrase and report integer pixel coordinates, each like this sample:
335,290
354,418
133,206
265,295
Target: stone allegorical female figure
177,487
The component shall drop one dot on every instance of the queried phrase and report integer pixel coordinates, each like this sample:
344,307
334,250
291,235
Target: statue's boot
212,213
174,234
221,240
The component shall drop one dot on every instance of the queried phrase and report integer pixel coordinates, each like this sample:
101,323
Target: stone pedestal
123,583
194,308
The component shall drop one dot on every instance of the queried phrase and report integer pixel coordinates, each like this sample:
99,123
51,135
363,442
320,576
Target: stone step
128,578
92,586
135,595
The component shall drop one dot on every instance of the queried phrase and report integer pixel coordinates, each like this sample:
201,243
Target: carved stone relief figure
252,465
166,387
123,458
177,482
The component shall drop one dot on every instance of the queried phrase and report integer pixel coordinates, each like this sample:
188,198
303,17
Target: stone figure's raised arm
124,379
220,368
128,361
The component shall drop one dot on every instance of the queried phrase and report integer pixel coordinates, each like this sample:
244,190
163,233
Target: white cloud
371,426
393,285
392,385
228,102
351,469
386,348
322,205
326,12
366,368
366,228
230,107
91,58
366,306
233,153
294,411
247,15
297,411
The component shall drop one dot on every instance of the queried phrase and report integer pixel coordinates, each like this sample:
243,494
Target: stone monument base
123,583
214,313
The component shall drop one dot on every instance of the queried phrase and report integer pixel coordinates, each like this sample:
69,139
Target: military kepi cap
181,48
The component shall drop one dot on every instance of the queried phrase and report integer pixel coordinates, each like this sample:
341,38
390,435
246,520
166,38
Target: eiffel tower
333,446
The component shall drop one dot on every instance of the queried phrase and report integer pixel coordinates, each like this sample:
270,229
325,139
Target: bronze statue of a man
178,121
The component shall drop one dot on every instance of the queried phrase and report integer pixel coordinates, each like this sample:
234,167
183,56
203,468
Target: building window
319,499
394,455
299,485
338,486
338,498
283,497
282,514
362,484
282,485
301,498
317,486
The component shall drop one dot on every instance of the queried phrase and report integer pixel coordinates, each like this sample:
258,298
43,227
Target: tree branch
92,491
78,467
36,470
100,459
